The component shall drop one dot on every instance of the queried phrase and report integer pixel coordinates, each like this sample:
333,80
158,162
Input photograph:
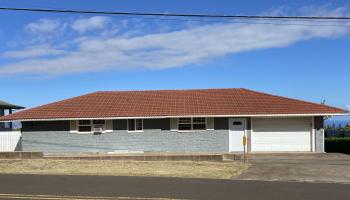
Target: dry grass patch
221,170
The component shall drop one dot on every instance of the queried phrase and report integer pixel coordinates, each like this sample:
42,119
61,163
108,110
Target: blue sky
46,57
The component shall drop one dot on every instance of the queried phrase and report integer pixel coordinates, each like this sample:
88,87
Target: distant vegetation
338,128
337,138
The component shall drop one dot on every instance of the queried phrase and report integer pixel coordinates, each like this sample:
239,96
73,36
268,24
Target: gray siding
54,137
148,140
319,134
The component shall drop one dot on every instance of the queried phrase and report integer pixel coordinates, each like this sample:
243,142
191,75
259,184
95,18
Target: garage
281,134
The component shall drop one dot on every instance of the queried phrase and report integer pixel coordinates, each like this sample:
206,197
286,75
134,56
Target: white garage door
281,134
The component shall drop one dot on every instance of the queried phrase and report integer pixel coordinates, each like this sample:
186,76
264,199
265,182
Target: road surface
107,187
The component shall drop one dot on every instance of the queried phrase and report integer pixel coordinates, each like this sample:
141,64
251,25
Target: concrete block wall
148,140
156,137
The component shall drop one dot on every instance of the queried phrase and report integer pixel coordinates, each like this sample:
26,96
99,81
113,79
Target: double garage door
281,134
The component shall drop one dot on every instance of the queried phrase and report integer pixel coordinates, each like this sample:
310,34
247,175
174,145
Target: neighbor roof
173,103
5,105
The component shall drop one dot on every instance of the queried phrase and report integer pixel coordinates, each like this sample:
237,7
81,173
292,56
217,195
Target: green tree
333,126
347,127
339,127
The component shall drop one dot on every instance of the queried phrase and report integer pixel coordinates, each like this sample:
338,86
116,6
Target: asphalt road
12,186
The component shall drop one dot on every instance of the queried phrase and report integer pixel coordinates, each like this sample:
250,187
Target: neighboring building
4,106
9,140
206,120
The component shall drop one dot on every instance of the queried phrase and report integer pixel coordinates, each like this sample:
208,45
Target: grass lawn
218,170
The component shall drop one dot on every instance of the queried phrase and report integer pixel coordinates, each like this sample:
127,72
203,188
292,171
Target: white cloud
324,10
179,48
42,26
92,23
33,51
348,107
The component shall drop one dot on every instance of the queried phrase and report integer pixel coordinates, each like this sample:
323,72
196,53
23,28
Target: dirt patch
188,169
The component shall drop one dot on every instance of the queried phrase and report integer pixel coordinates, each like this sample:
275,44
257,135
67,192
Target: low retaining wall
124,157
150,157
21,155
143,157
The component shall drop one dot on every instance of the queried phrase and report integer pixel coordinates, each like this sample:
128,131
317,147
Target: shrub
337,144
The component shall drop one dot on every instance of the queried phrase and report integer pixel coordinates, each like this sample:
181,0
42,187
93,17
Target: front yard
188,169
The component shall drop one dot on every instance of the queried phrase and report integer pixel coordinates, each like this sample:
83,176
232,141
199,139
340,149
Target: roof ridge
294,99
155,90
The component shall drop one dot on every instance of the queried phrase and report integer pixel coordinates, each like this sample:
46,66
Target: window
199,123
139,124
84,122
135,124
84,126
185,124
196,123
99,122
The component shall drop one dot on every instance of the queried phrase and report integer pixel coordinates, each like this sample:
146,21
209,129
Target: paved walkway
106,187
328,167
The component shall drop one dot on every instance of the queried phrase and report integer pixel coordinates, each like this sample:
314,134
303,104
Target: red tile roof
162,103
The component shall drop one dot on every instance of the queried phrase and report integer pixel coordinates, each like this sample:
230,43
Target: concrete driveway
306,167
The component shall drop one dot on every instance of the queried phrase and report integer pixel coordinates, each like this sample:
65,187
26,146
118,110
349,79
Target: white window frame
83,132
91,126
133,131
192,130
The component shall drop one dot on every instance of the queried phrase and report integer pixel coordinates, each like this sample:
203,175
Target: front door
237,128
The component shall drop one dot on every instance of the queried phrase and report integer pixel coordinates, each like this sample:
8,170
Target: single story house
203,120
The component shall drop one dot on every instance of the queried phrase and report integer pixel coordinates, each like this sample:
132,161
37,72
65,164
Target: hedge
337,144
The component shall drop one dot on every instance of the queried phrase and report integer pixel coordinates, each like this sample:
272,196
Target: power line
224,18
175,14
